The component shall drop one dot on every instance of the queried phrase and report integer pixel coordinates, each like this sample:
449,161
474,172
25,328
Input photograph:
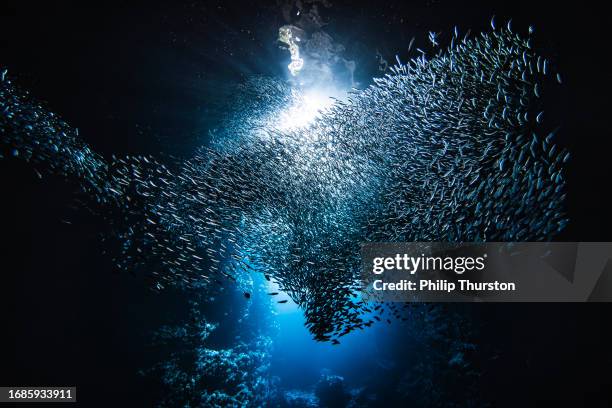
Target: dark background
148,77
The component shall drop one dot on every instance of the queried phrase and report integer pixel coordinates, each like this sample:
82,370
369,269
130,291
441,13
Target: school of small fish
450,148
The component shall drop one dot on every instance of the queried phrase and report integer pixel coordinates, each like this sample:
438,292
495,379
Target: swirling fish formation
450,148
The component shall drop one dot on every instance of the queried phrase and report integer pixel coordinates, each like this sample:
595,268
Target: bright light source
305,110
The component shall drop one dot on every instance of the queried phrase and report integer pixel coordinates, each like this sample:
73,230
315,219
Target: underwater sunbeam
305,109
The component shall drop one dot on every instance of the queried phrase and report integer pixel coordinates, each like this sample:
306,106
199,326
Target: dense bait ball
445,149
